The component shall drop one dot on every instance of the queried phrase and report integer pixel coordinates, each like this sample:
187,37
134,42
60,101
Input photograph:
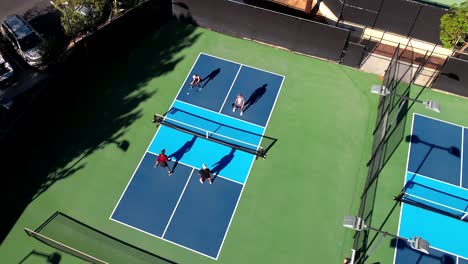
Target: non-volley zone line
437,180
195,168
214,112
241,64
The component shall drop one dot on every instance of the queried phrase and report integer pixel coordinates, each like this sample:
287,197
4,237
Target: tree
454,26
79,16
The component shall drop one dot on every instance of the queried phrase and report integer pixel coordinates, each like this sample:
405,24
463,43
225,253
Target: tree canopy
79,16
454,26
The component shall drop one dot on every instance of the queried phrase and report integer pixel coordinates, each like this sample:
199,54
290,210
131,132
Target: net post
158,119
399,196
464,216
260,153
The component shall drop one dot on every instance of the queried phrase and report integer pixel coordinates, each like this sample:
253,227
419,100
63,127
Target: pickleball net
435,200
230,136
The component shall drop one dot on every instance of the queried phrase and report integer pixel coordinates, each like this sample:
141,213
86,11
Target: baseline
212,205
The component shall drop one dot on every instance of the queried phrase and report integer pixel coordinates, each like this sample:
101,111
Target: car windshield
29,42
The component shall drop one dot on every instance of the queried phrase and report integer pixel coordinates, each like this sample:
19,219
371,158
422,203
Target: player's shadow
415,139
222,163
181,151
210,77
255,96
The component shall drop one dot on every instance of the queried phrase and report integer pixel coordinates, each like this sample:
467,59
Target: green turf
292,207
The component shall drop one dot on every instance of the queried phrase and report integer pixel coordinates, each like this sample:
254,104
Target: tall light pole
356,223
382,90
67,19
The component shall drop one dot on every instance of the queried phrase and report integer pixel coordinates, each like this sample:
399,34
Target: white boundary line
206,109
219,58
440,120
134,172
404,184
258,69
443,182
153,235
230,88
177,204
461,147
448,252
183,83
274,104
461,157
209,55
235,209
195,168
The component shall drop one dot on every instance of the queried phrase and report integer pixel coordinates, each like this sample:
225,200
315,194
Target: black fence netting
388,134
81,240
247,21
404,17
453,76
354,55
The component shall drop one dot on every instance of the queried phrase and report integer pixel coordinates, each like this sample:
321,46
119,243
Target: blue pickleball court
435,200
178,208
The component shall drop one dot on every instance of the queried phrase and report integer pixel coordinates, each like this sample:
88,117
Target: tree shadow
210,77
255,96
181,151
88,105
222,163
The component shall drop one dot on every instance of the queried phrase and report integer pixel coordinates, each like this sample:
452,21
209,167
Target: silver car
6,71
27,42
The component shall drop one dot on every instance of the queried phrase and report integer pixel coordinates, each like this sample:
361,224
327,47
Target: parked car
6,71
27,42
84,10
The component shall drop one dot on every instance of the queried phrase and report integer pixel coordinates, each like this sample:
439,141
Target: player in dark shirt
204,174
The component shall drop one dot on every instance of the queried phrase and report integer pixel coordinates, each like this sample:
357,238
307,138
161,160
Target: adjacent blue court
178,208
435,196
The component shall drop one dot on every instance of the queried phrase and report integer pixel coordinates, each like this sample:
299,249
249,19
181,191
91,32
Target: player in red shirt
162,160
